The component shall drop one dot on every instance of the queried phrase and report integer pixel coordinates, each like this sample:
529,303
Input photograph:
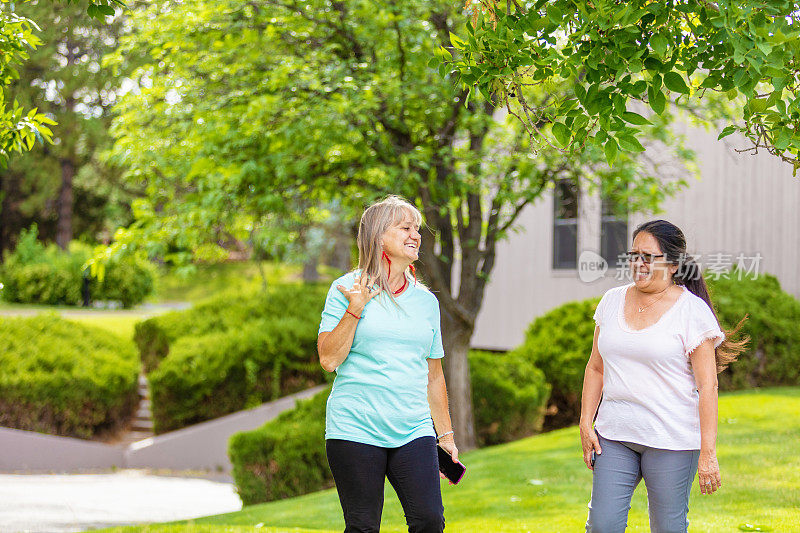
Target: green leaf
659,44
630,143
635,118
725,132
658,102
610,149
675,82
561,133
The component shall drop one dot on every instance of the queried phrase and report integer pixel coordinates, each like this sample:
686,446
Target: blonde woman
657,349
380,333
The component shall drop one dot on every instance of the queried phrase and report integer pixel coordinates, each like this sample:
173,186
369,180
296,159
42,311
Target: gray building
743,208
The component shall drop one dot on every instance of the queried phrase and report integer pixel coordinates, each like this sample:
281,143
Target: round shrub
285,457
64,378
509,396
559,343
127,281
772,356
54,279
39,274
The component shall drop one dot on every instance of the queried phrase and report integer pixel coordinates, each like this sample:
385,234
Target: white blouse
649,392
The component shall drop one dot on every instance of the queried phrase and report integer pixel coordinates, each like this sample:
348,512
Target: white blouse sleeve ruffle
701,325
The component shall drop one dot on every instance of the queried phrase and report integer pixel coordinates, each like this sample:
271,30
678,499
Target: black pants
413,470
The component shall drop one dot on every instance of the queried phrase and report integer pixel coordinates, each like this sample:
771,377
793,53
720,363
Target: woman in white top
655,357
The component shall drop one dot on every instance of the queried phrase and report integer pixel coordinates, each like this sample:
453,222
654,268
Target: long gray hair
376,219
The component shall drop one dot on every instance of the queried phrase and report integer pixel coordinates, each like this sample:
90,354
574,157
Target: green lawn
540,484
115,322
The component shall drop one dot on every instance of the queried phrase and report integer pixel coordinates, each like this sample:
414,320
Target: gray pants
667,474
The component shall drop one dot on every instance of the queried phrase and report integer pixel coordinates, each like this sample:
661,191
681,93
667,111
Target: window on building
565,224
613,231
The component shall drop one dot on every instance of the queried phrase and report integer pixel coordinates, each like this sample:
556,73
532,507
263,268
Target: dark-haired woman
657,349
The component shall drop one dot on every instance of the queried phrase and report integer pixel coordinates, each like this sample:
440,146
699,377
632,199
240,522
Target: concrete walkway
142,311
56,502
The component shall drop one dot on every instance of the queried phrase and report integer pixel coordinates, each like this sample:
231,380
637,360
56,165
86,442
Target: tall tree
245,105
65,79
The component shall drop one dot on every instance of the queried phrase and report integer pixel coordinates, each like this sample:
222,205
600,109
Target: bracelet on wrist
351,313
443,435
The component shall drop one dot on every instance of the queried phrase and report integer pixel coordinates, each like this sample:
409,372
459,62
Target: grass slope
540,484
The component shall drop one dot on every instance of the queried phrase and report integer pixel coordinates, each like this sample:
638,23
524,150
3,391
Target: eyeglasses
646,258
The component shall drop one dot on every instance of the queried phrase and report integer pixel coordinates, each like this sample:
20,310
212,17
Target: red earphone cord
405,281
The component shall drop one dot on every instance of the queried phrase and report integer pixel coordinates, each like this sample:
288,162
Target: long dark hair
673,245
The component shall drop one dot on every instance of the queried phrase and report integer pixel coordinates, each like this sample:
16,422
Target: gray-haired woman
380,333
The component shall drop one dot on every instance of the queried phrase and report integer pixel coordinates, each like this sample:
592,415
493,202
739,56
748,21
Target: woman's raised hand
360,294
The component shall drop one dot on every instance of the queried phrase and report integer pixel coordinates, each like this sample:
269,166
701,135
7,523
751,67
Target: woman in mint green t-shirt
380,332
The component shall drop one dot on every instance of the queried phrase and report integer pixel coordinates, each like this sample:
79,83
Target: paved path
56,502
143,311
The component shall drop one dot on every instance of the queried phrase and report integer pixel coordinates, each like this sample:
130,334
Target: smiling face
656,275
402,240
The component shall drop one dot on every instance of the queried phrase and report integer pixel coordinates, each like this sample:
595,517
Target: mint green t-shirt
380,394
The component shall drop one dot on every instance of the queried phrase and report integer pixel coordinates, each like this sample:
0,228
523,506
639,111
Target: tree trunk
456,339
64,231
310,272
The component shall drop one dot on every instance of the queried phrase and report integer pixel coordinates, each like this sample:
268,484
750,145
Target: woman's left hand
449,444
708,472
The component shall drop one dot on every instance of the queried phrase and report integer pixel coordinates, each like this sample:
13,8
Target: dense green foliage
559,343
285,457
64,378
773,354
509,396
39,274
617,53
231,352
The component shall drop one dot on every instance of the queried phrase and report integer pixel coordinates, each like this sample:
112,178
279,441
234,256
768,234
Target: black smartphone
453,471
593,458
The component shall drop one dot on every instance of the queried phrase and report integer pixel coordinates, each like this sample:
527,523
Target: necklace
664,292
405,282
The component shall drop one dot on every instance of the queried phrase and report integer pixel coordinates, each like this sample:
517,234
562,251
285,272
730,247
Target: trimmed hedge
48,275
226,312
231,353
773,354
286,456
222,372
64,378
560,341
509,396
